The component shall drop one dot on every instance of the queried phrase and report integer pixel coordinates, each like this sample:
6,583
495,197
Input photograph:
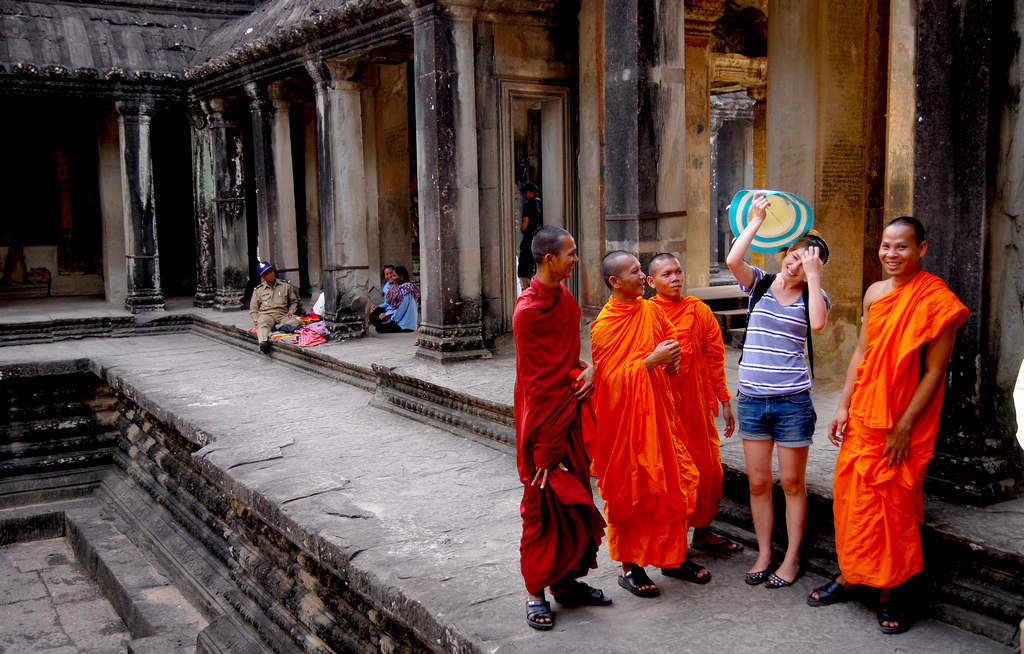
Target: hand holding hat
785,219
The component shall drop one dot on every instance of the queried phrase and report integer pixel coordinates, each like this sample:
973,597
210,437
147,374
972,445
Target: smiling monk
887,422
645,475
562,528
700,386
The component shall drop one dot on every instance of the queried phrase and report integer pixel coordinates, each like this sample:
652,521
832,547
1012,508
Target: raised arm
740,269
816,309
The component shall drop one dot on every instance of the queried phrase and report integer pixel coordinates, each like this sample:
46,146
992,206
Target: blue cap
263,267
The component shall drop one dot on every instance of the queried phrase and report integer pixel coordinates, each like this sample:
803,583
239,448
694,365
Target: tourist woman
402,309
774,386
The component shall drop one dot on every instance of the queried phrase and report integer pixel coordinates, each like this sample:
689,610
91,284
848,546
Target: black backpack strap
807,319
758,292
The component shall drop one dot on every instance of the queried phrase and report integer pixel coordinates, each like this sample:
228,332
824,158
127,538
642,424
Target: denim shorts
786,419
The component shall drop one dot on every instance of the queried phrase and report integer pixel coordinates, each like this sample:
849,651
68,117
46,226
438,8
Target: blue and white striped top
773,353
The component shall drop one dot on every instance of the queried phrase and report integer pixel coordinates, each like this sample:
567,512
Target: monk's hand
587,377
837,426
758,208
897,444
810,260
730,419
665,353
541,475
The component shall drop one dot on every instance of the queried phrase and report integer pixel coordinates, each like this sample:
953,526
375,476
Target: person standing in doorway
531,221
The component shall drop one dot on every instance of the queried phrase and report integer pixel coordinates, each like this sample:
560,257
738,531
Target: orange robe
645,475
878,509
699,386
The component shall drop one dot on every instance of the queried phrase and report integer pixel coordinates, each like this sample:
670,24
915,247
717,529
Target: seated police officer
273,305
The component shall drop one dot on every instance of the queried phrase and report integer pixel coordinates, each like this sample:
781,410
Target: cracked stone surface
434,517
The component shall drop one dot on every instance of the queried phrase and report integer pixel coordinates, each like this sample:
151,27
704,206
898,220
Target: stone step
58,446
51,429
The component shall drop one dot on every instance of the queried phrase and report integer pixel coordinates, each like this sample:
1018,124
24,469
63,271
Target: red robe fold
700,380
562,528
878,509
645,474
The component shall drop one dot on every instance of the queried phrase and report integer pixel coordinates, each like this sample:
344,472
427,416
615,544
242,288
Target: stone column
263,172
202,198
227,208
971,207
286,245
446,166
115,283
700,17
138,200
644,127
345,259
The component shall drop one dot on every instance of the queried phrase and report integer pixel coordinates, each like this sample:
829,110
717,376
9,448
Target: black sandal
581,594
890,612
688,571
756,578
536,609
831,593
637,578
775,581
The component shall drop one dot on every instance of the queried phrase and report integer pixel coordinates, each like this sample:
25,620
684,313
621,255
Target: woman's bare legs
758,456
792,475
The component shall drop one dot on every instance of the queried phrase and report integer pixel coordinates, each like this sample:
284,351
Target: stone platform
426,521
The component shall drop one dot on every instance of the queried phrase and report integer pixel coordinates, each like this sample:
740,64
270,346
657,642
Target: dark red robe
562,528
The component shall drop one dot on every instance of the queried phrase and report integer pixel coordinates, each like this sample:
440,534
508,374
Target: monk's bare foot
830,593
891,619
635,580
538,613
705,539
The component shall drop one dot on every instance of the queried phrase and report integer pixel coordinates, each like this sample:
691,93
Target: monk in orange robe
562,528
645,475
700,386
887,422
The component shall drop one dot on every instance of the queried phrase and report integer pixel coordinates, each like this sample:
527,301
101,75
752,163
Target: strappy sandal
890,612
831,593
688,571
635,580
581,594
536,609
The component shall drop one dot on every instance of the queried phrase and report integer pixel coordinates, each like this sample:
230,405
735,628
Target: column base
987,480
229,299
346,325
204,298
144,302
451,343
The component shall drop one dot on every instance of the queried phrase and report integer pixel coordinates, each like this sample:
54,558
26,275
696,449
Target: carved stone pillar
644,129
138,200
286,246
263,171
227,207
732,164
446,168
202,198
345,259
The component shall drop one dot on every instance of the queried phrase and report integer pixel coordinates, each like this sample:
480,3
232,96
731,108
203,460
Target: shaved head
613,264
547,240
911,222
656,261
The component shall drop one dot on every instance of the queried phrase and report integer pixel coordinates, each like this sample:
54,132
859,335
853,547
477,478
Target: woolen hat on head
263,267
786,219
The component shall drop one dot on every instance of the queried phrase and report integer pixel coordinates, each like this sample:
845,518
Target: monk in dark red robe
562,528
887,422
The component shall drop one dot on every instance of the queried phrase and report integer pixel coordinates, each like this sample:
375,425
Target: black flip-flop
539,609
688,571
581,594
725,547
831,593
635,579
888,612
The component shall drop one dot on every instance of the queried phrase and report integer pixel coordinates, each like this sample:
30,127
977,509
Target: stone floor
434,516
49,604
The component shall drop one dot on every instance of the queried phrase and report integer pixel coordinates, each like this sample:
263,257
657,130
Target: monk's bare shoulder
875,291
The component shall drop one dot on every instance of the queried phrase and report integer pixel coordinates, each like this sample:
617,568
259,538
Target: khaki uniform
273,306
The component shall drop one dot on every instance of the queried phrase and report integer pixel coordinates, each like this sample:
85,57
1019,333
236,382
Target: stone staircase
729,305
